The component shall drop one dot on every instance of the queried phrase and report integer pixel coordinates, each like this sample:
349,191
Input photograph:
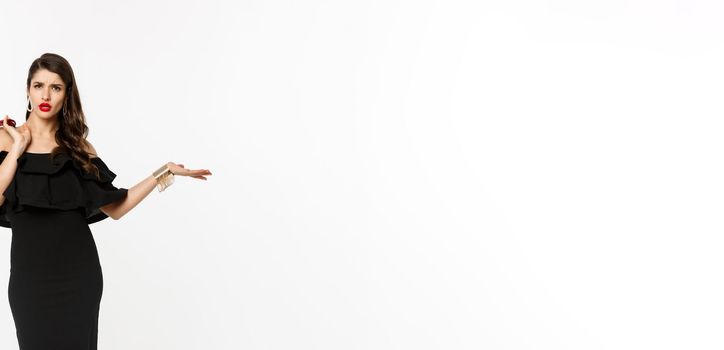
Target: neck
42,128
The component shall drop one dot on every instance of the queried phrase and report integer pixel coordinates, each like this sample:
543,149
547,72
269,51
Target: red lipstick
45,107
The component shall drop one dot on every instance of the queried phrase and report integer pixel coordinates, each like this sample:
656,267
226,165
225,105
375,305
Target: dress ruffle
59,184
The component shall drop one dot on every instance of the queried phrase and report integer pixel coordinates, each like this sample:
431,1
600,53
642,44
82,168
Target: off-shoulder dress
56,280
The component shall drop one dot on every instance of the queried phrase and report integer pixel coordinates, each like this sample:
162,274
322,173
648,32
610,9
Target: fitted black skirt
56,280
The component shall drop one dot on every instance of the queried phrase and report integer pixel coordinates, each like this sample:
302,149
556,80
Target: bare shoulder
90,149
6,141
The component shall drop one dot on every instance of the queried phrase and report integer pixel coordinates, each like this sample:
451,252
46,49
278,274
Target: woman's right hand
21,135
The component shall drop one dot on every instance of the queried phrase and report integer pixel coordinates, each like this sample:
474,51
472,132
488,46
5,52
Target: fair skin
37,135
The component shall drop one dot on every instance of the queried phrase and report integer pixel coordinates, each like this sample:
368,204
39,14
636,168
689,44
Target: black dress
55,274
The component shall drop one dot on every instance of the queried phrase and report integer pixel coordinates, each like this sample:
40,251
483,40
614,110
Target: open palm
178,169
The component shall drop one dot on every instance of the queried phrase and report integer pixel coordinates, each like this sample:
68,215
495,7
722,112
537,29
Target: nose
46,95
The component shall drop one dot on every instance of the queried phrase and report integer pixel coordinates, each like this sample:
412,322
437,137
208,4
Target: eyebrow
41,83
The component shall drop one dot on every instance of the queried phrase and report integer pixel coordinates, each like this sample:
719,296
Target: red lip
44,105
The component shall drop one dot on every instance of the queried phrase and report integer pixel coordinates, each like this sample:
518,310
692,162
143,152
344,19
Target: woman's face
47,93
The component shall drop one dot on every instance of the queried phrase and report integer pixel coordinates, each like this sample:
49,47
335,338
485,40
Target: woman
53,186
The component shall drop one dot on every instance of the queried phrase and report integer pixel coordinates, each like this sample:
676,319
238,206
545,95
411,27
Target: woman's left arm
137,193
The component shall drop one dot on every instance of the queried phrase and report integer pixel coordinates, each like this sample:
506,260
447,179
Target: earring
65,108
30,106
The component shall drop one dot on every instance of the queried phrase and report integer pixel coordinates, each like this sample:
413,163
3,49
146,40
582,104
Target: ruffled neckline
60,183
40,163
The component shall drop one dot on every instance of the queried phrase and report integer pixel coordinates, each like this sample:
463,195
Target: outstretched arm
137,193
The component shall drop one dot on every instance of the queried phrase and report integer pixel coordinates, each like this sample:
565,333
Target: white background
399,174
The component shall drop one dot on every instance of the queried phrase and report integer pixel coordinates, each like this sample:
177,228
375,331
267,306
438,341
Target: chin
46,115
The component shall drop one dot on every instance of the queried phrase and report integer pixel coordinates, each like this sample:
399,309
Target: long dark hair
72,129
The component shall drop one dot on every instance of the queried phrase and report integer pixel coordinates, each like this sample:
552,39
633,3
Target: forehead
46,76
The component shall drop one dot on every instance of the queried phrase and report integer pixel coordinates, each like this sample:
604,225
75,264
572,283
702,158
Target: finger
10,129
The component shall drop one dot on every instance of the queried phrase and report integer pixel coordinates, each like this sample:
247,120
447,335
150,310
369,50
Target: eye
56,88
